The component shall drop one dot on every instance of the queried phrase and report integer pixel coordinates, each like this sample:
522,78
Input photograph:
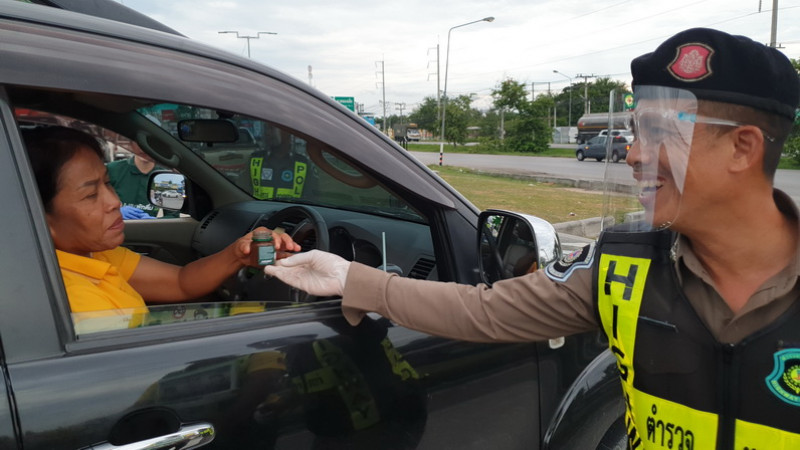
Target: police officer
279,172
700,301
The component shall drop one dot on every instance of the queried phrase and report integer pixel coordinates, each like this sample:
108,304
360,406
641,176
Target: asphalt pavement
587,174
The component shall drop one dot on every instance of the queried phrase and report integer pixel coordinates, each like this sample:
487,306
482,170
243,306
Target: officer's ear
747,149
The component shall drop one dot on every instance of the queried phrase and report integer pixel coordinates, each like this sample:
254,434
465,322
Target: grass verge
549,201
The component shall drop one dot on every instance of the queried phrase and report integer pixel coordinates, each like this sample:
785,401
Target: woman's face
85,214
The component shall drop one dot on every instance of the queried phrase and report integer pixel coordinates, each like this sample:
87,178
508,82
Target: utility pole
309,75
438,91
774,30
383,88
258,35
533,95
587,106
400,107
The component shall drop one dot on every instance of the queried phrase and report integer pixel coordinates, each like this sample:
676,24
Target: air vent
208,220
422,269
309,243
288,226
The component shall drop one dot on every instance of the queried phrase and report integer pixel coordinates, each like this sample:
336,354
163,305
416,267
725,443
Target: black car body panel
293,374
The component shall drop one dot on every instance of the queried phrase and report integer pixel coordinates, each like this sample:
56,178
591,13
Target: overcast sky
360,48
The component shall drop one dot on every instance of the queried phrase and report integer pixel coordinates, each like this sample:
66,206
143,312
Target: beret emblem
692,62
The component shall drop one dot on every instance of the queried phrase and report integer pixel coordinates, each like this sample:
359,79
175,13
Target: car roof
57,17
107,9
46,55
95,24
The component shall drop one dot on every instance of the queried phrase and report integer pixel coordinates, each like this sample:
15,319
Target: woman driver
83,215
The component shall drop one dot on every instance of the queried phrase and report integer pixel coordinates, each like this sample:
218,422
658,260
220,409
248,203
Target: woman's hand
284,245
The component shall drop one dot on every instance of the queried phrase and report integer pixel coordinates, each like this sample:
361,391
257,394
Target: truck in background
404,132
590,125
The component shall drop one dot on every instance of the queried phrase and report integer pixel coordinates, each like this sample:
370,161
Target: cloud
348,43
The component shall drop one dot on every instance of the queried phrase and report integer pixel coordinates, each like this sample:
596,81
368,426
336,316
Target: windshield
275,163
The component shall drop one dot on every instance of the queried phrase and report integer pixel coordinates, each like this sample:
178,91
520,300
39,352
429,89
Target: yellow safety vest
262,192
629,282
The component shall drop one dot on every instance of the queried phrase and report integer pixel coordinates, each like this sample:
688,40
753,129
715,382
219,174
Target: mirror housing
512,244
167,190
210,131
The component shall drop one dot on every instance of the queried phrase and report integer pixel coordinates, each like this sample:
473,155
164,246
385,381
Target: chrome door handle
190,436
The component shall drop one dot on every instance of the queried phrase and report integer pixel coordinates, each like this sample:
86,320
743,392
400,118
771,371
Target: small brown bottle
262,249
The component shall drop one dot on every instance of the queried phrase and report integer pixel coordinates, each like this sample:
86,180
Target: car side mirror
512,244
167,190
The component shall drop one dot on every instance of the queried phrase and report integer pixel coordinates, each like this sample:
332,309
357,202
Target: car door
291,378
597,148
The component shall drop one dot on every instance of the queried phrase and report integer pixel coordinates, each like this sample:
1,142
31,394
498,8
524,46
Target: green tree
598,94
792,146
562,102
525,122
598,98
458,117
426,115
489,124
510,95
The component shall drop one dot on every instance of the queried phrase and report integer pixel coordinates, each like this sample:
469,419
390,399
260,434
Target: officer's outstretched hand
316,272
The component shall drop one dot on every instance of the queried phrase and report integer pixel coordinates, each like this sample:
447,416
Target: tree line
515,122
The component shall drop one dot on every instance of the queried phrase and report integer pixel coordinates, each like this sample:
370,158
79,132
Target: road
568,168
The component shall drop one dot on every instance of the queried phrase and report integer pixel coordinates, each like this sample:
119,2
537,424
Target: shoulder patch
561,270
784,381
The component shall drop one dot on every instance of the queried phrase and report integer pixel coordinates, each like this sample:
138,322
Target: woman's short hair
49,149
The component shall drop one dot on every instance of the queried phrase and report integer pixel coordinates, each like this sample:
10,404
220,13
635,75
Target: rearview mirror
513,244
207,130
167,190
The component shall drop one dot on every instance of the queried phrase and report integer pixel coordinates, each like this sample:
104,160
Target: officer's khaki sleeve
527,308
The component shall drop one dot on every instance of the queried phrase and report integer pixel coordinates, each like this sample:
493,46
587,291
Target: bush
792,147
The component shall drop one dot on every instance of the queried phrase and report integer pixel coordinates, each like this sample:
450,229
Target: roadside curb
589,185
587,228
584,230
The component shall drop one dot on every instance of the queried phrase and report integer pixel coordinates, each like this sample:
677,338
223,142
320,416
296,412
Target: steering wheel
309,228
306,227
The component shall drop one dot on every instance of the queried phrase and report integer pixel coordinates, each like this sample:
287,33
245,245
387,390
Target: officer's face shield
662,123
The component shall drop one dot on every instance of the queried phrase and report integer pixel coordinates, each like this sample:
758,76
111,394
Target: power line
599,10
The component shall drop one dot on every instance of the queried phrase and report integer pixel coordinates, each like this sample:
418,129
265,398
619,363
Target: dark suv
596,148
257,364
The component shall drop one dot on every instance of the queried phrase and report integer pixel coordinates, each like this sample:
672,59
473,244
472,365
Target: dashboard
354,236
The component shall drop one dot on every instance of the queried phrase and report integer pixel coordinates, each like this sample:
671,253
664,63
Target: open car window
276,166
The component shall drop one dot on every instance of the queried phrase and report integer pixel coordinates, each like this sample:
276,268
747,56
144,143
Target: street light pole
569,116
444,92
258,35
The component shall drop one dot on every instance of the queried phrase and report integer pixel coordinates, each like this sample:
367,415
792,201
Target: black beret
721,67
